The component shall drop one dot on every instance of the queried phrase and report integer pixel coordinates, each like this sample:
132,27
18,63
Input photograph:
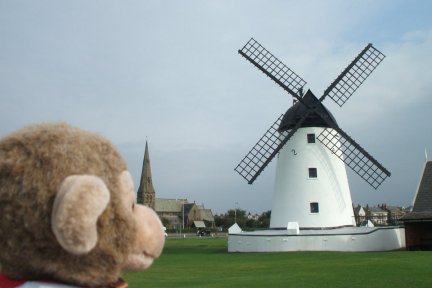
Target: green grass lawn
205,262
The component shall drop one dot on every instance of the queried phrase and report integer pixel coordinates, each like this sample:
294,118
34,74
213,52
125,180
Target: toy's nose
151,234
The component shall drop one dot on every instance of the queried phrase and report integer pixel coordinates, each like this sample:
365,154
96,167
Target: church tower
146,194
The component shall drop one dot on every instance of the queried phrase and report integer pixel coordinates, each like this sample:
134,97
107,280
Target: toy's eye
133,206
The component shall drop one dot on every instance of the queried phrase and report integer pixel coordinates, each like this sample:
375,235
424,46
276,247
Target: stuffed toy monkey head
68,211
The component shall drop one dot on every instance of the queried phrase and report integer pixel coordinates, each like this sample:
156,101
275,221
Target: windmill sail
272,67
354,156
263,152
354,75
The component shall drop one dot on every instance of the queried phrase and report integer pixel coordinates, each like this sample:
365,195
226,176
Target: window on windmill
311,138
314,207
313,173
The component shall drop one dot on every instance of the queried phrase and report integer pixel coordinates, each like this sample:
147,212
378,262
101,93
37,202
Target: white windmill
311,186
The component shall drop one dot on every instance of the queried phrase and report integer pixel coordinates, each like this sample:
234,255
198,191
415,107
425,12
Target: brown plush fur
33,163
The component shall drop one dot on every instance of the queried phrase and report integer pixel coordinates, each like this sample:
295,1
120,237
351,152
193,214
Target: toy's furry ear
79,202
126,183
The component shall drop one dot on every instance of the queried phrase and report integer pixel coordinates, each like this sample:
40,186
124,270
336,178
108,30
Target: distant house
377,215
394,213
251,216
418,222
359,214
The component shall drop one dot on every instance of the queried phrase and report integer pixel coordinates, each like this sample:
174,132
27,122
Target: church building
173,212
146,193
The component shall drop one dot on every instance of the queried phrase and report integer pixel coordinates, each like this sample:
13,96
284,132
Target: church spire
146,194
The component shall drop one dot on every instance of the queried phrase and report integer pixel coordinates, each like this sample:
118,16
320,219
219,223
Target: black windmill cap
298,110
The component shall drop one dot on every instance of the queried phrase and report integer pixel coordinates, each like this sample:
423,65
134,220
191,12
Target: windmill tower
311,185
146,193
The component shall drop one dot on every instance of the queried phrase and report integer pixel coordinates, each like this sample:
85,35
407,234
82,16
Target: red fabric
9,283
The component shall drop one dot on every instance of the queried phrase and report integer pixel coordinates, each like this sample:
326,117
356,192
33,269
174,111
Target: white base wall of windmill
346,239
297,194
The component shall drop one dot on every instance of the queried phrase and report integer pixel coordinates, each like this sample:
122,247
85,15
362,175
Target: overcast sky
169,72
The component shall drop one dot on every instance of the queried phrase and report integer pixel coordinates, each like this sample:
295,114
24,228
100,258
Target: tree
220,220
264,219
240,216
236,215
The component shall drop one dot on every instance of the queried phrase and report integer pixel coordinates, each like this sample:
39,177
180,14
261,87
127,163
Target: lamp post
183,215
235,212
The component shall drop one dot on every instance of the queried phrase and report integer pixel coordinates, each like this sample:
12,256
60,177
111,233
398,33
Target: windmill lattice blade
266,149
344,147
272,67
354,75
261,153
